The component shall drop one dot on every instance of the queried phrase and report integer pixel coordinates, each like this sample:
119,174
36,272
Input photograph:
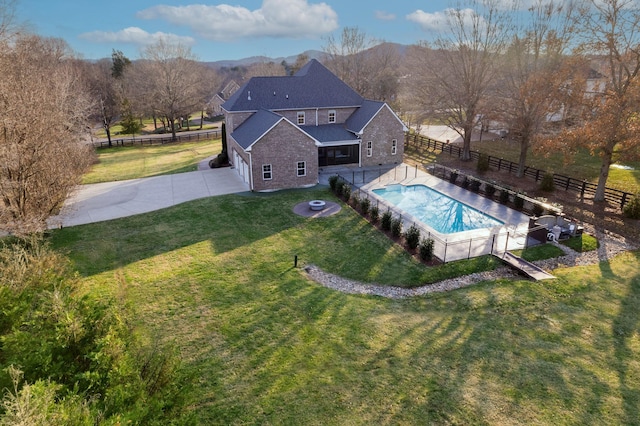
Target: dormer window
332,116
300,118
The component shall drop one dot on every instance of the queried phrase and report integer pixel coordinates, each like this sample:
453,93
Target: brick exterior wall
283,147
384,128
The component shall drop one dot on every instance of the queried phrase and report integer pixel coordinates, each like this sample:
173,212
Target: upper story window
301,167
300,118
369,149
332,116
394,147
266,172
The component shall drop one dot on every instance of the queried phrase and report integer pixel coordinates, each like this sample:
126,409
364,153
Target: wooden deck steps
525,267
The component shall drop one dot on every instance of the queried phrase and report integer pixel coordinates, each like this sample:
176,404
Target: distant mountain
312,54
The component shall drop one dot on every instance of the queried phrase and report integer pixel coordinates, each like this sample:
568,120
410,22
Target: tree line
559,75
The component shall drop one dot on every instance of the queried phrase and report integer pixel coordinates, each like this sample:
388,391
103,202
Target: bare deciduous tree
451,77
43,110
609,32
530,91
367,65
173,81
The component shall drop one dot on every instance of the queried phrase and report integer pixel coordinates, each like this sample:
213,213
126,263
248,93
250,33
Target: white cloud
276,18
385,16
135,35
438,21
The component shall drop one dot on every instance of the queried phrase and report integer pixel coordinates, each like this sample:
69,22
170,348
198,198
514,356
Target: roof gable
313,86
255,127
363,116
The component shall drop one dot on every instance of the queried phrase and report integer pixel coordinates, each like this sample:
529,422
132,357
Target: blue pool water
442,213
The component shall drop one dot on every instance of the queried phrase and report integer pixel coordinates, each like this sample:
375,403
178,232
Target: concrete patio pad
113,200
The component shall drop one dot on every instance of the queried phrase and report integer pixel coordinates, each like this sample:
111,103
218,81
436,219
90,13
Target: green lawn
582,166
261,344
131,162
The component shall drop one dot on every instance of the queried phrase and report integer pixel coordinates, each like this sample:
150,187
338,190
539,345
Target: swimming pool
442,213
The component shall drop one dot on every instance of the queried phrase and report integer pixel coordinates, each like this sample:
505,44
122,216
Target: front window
369,149
300,118
394,147
332,116
266,172
301,167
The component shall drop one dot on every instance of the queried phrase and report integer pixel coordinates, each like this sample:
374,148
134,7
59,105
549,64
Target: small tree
375,212
426,249
412,236
130,124
385,222
483,163
333,182
365,205
547,184
396,227
632,208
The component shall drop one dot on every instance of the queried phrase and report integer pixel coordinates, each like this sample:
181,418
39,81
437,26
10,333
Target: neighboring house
282,130
214,106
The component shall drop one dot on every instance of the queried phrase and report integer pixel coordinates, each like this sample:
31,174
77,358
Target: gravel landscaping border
610,245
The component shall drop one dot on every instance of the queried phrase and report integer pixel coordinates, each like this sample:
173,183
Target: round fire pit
317,205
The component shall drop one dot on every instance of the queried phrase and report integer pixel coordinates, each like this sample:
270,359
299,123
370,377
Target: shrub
412,236
426,249
396,227
632,208
385,222
355,201
346,192
365,204
489,189
466,182
518,202
504,196
453,176
375,212
483,163
333,182
547,184
339,188
475,185
537,209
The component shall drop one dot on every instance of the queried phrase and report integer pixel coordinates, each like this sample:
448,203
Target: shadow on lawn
625,326
228,222
306,352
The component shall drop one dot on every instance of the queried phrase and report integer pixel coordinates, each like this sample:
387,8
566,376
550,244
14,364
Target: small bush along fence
506,196
388,222
566,183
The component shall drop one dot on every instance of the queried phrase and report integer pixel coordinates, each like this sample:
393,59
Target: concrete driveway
113,200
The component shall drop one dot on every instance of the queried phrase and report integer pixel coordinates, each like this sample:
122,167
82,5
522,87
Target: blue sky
225,29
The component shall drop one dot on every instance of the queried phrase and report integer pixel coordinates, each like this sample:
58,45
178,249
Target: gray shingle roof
254,127
313,86
329,133
359,119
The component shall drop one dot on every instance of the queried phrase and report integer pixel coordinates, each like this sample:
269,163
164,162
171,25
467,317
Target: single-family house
214,106
282,130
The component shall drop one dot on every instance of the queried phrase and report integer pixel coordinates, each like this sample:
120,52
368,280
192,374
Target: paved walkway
113,200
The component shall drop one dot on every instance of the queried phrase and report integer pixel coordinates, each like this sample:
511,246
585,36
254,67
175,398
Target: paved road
113,200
